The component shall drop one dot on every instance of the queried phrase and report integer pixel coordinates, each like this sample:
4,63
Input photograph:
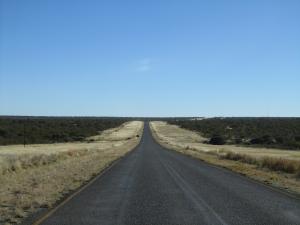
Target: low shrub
41,130
217,140
266,139
267,132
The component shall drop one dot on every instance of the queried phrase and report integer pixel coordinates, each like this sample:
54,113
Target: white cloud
143,65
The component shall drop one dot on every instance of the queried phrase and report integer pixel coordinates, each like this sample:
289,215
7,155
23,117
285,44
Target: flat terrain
268,132
153,185
48,130
15,157
37,176
190,139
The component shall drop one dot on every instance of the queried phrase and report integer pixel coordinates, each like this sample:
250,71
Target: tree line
36,130
265,132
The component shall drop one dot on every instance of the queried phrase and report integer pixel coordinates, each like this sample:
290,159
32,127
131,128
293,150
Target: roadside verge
284,181
38,188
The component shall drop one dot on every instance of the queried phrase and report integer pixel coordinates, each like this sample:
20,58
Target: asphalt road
153,185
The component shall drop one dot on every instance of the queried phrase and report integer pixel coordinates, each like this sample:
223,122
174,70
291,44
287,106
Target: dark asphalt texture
153,185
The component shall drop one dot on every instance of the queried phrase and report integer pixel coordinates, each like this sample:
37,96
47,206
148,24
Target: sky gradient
150,58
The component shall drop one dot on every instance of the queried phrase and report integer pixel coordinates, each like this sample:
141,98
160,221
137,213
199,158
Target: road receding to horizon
153,185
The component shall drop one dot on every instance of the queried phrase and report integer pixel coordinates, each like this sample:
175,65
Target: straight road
153,185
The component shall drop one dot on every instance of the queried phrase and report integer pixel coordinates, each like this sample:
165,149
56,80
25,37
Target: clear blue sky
150,58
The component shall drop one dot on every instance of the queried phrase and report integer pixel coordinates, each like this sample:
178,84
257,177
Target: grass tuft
272,163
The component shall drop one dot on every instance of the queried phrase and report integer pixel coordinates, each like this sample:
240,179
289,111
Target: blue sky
150,58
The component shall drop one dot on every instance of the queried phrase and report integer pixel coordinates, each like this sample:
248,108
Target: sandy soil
38,175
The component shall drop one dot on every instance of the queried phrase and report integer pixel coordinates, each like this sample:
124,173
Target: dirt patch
39,175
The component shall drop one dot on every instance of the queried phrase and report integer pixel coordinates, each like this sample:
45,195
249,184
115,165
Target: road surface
153,185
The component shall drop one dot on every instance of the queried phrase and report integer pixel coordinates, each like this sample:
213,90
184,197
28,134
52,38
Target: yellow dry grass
16,157
175,135
39,175
251,162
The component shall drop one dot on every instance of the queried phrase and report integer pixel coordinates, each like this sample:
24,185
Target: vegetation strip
248,131
42,130
275,164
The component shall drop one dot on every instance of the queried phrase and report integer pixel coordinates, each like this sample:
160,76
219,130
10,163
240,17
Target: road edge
169,147
40,216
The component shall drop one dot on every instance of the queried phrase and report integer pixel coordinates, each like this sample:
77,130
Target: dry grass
38,176
125,132
15,163
274,167
175,135
276,164
16,157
